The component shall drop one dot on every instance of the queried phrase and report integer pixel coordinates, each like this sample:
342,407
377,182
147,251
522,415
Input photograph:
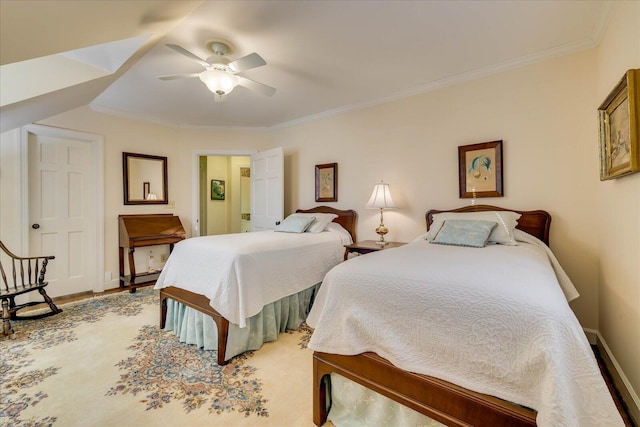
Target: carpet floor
104,361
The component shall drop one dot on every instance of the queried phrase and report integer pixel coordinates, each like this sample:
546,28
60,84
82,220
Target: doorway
224,194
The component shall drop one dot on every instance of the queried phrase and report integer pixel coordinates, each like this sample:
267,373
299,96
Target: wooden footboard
200,303
447,403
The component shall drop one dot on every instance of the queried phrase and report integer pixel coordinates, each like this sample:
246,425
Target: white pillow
345,236
295,224
502,234
321,221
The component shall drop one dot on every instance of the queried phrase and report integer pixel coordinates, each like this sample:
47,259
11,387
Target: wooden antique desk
145,230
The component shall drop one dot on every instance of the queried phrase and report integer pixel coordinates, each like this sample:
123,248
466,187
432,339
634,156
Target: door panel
204,196
267,189
61,202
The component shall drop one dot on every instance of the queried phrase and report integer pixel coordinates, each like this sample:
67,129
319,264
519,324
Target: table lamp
381,199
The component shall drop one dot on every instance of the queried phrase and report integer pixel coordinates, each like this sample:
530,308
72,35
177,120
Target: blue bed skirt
194,327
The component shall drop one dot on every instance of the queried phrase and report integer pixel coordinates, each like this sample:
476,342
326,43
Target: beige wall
131,136
543,113
619,212
217,210
178,145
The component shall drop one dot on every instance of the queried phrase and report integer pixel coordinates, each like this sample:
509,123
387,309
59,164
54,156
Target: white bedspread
493,320
241,273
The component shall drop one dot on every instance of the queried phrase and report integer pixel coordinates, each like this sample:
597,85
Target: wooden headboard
346,218
536,223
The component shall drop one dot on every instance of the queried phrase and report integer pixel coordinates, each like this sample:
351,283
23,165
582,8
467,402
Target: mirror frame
125,179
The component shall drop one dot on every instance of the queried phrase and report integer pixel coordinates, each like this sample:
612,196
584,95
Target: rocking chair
30,280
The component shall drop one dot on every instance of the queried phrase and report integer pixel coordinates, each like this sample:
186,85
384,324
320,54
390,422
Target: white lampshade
219,81
381,197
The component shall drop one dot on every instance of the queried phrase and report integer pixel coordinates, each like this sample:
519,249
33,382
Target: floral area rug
104,361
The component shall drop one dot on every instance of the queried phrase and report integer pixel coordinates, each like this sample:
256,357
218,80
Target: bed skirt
353,404
194,327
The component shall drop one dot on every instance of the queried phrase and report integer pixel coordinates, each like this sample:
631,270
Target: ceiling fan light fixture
218,81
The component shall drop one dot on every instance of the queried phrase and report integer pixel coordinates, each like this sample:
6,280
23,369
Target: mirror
145,179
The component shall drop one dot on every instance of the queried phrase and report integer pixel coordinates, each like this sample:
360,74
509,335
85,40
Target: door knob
35,226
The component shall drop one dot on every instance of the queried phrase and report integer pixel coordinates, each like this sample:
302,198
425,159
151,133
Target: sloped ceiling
33,34
323,57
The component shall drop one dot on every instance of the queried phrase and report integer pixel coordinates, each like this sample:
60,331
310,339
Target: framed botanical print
619,127
480,170
327,182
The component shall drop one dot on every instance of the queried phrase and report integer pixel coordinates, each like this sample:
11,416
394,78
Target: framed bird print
480,170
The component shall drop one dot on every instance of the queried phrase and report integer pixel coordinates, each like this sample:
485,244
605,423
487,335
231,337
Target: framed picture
620,129
480,170
327,182
217,189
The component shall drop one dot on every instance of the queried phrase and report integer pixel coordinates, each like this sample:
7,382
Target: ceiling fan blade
179,76
253,60
188,54
254,85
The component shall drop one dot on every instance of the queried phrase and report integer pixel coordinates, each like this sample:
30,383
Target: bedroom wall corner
543,112
619,221
124,134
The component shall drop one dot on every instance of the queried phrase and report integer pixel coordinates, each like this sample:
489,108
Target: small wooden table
366,246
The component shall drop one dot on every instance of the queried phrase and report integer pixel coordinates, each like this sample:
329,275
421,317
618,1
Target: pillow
345,236
321,220
295,224
502,234
465,232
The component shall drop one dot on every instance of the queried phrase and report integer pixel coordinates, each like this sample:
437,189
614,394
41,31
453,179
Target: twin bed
480,336
464,336
232,293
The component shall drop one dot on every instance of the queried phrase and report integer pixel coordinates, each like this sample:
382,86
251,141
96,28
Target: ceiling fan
221,76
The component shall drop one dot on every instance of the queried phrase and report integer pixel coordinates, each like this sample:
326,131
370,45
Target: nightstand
366,246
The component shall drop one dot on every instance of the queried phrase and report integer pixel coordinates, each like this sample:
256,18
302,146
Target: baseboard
111,284
62,299
592,335
621,382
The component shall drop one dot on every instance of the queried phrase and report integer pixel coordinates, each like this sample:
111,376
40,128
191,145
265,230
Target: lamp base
381,231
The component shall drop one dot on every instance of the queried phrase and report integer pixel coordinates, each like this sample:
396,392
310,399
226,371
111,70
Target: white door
62,213
267,189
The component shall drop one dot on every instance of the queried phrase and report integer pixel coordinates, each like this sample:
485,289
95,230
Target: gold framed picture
619,127
327,182
480,170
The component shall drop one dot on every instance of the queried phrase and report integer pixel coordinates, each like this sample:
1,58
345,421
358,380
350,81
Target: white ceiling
330,56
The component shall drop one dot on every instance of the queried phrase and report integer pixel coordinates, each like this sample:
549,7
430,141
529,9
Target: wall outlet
164,257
